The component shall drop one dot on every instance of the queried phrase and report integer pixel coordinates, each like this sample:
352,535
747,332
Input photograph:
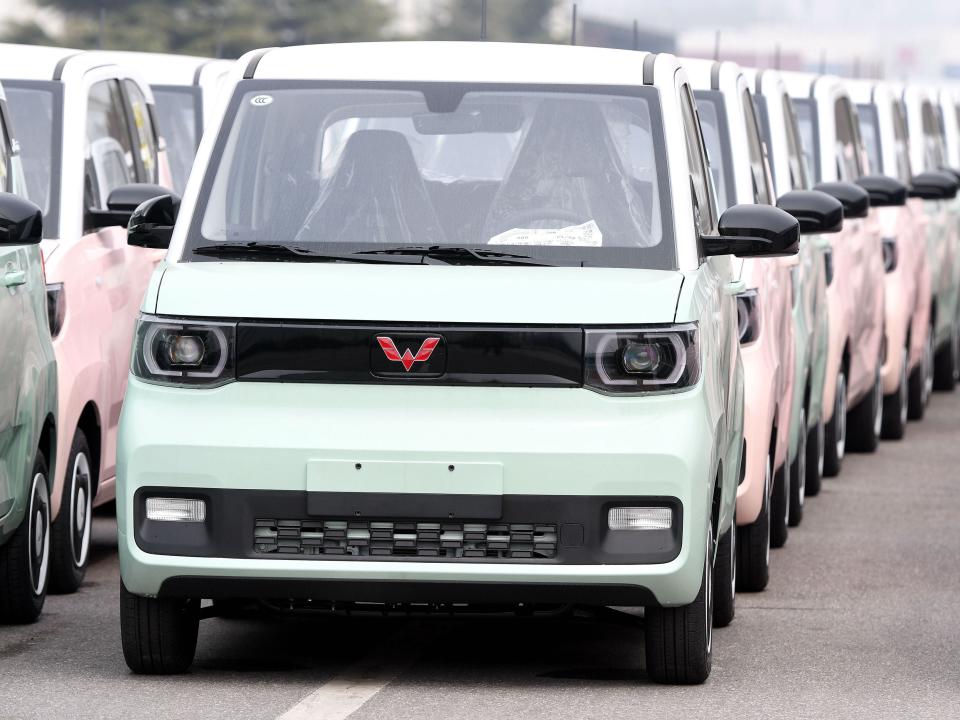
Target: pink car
853,391
90,156
883,125
765,303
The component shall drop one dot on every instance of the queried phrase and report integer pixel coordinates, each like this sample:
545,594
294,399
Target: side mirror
755,231
884,191
151,224
21,222
855,200
121,203
951,171
934,186
816,212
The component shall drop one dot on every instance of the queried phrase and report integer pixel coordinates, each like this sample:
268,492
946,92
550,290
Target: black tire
753,545
816,440
70,536
895,406
159,635
946,363
780,507
25,557
798,476
835,431
865,421
921,382
725,578
679,640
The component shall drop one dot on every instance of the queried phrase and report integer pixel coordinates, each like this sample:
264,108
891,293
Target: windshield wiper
289,253
458,255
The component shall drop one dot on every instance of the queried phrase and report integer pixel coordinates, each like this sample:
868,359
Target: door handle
14,277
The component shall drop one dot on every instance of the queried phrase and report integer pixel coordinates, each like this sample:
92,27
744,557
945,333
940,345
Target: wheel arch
89,422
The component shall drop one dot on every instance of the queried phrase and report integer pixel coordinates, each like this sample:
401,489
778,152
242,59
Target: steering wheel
519,219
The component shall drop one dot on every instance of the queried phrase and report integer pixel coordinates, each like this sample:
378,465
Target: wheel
866,419
780,506
798,476
679,640
725,578
25,557
895,406
753,544
70,538
159,635
946,363
835,431
921,382
816,437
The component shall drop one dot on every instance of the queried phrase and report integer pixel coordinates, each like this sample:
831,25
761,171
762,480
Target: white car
185,89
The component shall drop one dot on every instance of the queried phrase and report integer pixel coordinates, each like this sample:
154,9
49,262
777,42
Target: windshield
806,120
565,175
713,122
178,120
870,130
35,119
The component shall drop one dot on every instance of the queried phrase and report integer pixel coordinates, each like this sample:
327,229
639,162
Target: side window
704,211
758,167
144,134
932,143
900,144
799,177
6,157
109,161
848,161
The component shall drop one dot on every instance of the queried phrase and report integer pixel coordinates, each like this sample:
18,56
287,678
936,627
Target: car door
12,317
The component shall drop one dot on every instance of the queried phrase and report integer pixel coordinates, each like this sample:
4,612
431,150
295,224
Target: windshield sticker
586,235
261,100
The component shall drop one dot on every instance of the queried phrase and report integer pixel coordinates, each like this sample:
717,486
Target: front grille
360,538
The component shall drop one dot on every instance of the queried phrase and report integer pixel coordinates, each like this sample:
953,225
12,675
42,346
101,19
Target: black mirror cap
121,202
151,224
755,231
939,185
953,172
21,221
884,191
816,212
855,200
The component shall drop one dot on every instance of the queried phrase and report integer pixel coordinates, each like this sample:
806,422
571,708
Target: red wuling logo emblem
389,348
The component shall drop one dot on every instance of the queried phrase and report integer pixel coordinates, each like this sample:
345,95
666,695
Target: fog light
640,518
176,509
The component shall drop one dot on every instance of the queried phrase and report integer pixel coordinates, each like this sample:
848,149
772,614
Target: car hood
415,293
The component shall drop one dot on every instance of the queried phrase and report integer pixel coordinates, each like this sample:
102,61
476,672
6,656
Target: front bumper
563,456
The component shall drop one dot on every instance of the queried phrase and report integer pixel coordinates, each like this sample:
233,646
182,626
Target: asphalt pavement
861,620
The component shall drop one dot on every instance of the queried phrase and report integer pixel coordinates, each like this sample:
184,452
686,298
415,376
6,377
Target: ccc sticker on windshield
261,100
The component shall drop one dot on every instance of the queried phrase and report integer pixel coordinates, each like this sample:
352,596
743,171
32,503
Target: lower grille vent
455,541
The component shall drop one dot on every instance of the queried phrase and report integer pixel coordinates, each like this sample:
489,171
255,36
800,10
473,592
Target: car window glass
799,173
758,168
932,139
709,107
870,131
807,124
109,161
847,149
143,131
699,165
901,148
177,124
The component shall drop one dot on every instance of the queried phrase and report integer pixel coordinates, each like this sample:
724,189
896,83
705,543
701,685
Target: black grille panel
371,538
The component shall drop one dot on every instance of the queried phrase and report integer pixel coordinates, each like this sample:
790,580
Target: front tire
866,420
921,382
725,578
70,542
895,406
835,445
798,476
25,557
159,635
753,544
946,363
780,506
816,441
679,640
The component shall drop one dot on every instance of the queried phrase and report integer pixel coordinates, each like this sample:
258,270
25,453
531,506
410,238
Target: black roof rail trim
254,61
200,67
715,76
58,70
648,63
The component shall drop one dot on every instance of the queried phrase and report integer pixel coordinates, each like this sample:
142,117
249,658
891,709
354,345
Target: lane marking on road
347,692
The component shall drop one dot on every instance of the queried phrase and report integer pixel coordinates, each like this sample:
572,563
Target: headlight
56,307
647,360
889,254
172,351
748,317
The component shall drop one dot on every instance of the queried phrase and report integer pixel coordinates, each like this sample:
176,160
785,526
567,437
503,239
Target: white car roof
32,62
449,62
163,68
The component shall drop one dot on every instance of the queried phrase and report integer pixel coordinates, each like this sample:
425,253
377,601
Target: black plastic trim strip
648,67
58,70
715,76
254,61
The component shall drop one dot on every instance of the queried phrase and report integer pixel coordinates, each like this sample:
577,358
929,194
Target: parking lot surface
861,619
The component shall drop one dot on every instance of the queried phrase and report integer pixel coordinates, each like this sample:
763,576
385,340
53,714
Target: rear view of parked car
90,156
488,351
28,395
